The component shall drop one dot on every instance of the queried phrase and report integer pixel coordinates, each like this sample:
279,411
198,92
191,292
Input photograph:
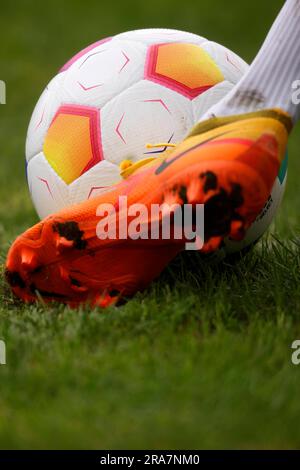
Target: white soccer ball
114,97
263,221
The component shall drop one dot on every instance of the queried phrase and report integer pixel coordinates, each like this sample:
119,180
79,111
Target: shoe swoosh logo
166,163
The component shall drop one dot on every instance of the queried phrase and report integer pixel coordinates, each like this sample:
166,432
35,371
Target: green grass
202,359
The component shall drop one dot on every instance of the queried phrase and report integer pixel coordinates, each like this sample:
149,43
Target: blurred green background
200,360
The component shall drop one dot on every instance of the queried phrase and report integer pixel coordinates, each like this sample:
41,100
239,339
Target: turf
202,359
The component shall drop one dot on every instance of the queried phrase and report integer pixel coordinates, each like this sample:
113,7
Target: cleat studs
79,289
29,260
64,274
69,235
76,285
104,300
63,244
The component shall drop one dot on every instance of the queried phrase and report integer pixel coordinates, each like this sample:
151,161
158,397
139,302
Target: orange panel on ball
185,68
73,142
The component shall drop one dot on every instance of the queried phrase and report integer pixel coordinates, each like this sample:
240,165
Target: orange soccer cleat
228,164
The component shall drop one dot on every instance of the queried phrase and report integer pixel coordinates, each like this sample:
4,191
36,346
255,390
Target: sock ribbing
268,83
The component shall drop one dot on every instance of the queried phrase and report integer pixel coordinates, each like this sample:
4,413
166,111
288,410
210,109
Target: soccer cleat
228,164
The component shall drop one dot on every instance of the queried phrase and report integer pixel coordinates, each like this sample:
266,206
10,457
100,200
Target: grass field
202,359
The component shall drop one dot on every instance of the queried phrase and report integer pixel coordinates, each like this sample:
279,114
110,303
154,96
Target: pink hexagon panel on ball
114,97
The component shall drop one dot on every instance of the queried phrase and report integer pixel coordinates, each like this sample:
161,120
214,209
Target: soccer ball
114,97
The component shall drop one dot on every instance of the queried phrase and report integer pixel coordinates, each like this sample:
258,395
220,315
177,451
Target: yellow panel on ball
185,68
73,142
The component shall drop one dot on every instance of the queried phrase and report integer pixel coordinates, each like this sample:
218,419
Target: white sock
270,79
